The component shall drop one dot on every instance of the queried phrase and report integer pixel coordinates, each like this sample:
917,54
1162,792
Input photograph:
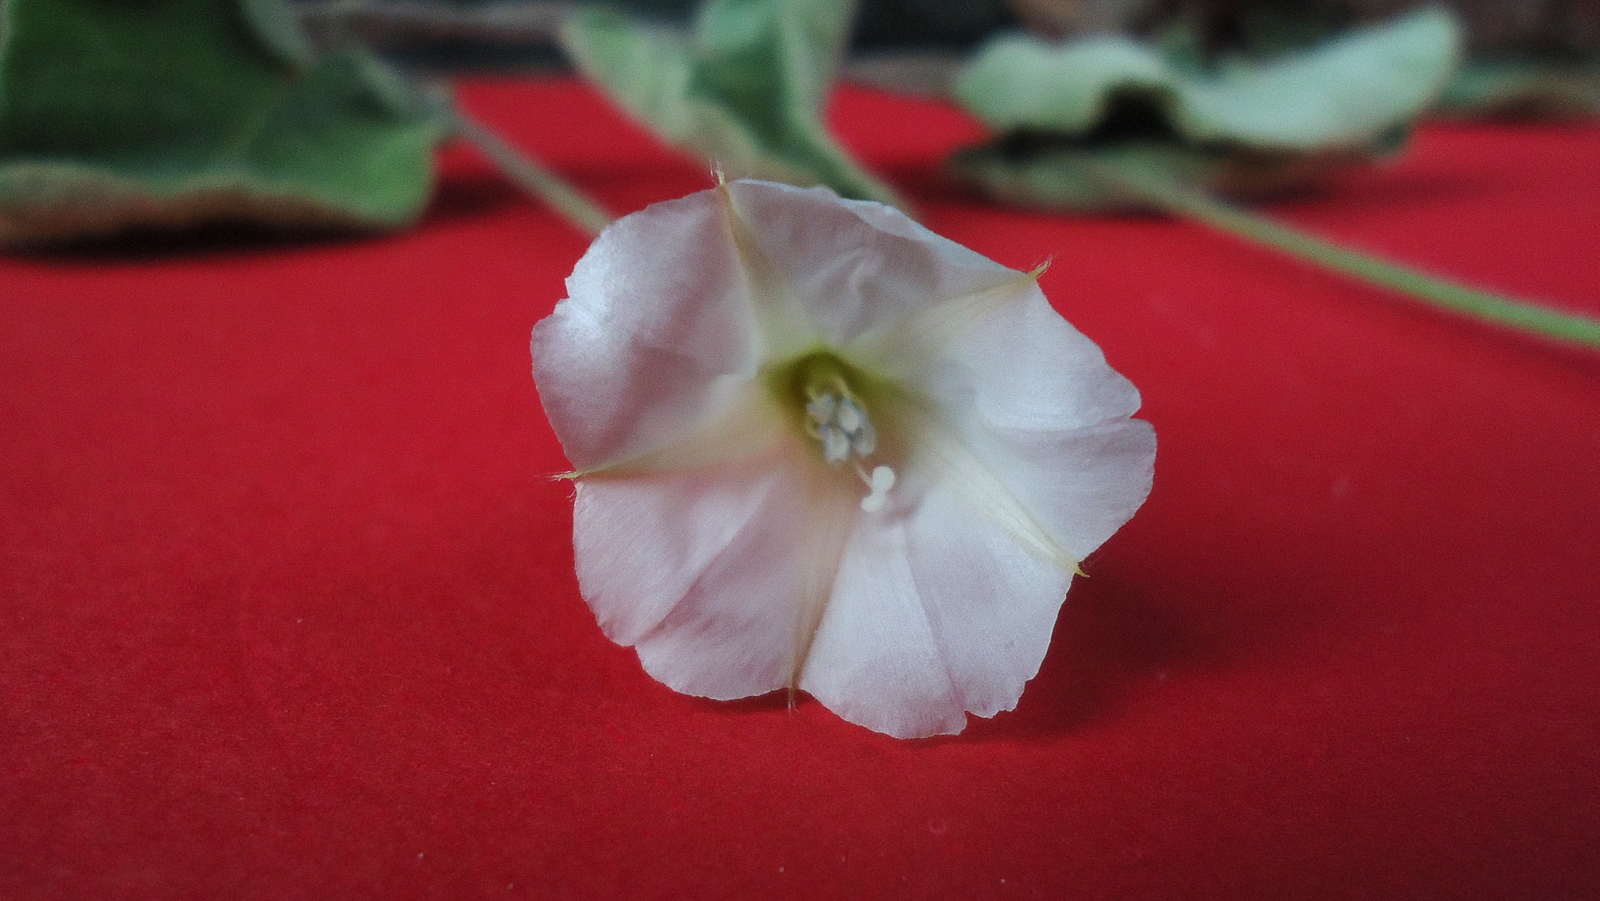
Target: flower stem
1483,305
587,215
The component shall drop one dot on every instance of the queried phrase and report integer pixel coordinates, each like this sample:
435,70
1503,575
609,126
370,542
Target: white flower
819,447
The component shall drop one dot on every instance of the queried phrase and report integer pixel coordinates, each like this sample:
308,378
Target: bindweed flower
819,447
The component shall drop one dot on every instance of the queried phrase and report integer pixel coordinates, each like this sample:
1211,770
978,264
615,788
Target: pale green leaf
1070,114
1343,93
1020,82
745,90
176,113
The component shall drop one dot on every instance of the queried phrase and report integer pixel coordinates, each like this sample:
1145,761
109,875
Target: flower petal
939,609
935,613
850,264
711,535
1079,485
715,575
742,421
992,603
1016,364
1023,417
656,312
876,660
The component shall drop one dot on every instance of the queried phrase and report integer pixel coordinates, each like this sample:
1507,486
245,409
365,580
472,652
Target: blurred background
491,34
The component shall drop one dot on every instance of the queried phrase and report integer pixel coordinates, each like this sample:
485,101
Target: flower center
838,421
832,413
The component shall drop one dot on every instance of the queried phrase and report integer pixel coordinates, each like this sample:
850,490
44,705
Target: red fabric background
289,612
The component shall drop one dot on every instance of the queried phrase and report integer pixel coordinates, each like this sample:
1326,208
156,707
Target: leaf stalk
575,206
1432,290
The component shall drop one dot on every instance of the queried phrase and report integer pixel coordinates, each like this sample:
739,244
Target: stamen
838,421
835,444
821,407
831,413
865,440
850,416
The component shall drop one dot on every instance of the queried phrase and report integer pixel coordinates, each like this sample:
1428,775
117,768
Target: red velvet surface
289,611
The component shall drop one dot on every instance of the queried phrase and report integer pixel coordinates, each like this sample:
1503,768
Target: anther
835,443
850,416
821,408
837,420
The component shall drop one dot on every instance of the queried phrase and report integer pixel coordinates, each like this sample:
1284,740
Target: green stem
1438,292
577,207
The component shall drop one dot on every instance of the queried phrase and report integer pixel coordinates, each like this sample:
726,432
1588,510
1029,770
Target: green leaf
1345,92
1524,88
1244,130
1108,125
177,113
278,29
745,90
1348,92
1020,82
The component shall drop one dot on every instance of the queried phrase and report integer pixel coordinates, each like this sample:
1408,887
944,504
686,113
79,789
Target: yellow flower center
829,400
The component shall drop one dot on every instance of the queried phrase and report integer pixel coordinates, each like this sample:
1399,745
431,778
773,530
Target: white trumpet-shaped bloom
819,447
